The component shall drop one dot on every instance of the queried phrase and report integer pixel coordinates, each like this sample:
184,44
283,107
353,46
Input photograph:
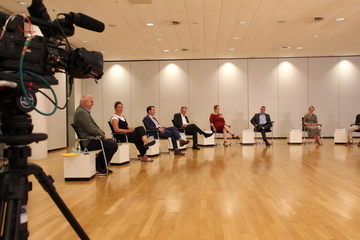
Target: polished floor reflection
239,192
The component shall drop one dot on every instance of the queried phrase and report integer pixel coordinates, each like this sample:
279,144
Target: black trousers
266,127
135,137
193,129
110,148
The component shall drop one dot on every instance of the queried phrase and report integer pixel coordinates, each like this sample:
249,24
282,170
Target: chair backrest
116,135
111,127
78,135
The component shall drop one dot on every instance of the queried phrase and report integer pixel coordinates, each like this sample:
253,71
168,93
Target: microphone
84,21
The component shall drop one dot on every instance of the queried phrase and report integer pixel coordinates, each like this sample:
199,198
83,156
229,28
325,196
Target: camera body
45,55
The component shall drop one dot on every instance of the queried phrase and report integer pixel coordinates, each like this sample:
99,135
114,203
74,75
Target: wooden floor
240,192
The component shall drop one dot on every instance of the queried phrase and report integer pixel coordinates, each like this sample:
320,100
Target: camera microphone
84,21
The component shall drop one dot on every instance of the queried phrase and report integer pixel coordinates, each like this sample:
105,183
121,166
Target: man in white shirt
181,121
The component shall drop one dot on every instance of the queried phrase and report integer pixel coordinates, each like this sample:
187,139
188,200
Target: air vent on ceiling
170,23
314,19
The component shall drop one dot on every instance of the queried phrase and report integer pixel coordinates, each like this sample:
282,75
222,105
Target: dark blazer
256,119
149,124
178,120
357,120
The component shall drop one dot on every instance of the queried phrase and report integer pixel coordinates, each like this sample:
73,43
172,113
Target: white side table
203,141
294,137
79,167
122,155
247,137
340,136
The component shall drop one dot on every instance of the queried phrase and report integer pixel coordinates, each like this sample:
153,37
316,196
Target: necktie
157,124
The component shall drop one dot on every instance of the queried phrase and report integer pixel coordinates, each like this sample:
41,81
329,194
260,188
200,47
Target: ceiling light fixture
159,39
315,36
243,22
166,50
231,49
339,19
150,24
236,38
22,3
299,48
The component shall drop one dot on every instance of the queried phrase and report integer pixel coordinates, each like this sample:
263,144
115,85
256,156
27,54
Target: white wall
286,86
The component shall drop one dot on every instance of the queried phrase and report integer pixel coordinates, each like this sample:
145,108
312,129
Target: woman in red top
217,122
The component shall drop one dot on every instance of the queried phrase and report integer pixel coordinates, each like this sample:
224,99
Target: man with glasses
87,128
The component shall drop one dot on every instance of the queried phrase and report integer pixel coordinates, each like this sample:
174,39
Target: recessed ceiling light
166,50
299,48
23,3
339,19
159,39
243,22
85,41
150,24
282,21
236,38
315,36
231,49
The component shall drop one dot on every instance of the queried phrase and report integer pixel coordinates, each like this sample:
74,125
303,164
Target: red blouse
218,121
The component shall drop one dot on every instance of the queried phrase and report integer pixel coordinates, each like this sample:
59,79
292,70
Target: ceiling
208,29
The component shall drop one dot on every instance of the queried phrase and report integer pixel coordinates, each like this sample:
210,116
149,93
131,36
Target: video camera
46,55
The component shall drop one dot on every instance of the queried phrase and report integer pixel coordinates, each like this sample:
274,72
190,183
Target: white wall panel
174,89
349,90
203,91
145,90
263,89
57,122
324,92
293,93
116,87
233,93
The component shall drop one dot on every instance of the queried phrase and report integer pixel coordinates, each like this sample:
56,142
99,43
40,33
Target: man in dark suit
87,128
151,123
182,121
262,123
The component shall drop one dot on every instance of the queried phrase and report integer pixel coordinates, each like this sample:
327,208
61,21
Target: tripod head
17,125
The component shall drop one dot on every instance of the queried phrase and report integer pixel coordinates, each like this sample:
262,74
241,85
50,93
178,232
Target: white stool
294,136
153,150
340,136
183,137
247,137
203,141
122,155
79,167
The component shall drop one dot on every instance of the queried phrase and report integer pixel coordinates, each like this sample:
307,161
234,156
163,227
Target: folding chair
305,131
79,145
266,131
217,136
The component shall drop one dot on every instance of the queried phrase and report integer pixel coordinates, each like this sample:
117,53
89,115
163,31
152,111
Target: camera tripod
14,184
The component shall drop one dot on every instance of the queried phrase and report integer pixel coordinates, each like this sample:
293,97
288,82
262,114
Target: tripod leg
47,184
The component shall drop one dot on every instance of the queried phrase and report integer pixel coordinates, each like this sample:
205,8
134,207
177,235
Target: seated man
352,129
182,121
151,123
87,128
262,123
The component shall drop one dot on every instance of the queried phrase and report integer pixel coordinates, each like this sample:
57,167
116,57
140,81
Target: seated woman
311,125
217,123
135,135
